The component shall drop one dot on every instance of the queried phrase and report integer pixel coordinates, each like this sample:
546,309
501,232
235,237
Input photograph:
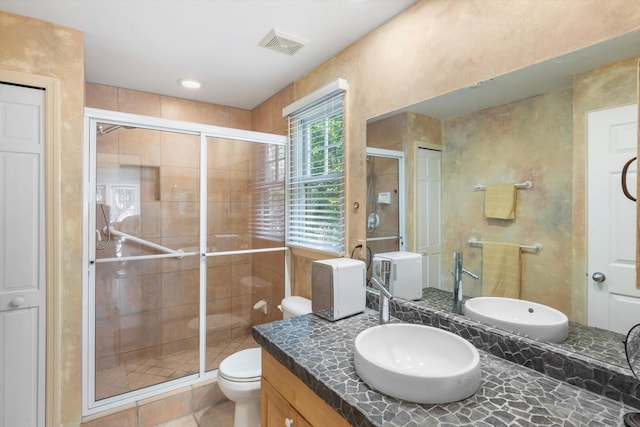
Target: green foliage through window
316,177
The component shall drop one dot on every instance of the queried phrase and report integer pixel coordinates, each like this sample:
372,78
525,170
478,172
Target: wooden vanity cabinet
276,411
285,401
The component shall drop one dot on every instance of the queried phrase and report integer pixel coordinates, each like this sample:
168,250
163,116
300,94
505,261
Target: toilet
239,374
239,380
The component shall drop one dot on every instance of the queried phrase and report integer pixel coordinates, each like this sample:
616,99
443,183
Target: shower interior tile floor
139,373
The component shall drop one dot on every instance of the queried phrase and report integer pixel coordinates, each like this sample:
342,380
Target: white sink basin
417,363
528,318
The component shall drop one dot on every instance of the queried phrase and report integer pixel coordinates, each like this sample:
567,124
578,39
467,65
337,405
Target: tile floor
139,373
215,416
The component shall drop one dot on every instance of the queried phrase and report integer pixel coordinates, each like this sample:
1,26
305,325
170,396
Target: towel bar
523,185
537,247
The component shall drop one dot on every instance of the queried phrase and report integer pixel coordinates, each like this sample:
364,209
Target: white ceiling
148,45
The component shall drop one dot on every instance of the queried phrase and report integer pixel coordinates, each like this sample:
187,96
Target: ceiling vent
282,42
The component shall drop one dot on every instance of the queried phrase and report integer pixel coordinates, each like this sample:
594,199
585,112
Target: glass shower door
185,251
147,230
146,253
385,201
245,235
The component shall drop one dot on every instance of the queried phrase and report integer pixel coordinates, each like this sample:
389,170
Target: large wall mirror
537,124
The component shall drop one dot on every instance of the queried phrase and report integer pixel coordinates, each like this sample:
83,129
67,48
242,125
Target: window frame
304,216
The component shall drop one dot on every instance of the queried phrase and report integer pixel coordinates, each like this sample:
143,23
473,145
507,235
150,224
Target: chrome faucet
458,270
385,295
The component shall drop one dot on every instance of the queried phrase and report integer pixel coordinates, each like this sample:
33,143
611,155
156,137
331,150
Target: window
315,196
269,211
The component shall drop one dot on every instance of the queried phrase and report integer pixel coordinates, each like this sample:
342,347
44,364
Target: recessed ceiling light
190,83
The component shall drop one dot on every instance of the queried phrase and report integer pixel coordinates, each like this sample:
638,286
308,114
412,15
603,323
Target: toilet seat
243,366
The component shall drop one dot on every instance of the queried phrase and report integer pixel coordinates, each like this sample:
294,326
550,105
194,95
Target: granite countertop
320,353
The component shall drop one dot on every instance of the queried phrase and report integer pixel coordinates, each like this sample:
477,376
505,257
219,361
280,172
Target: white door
428,221
22,290
613,299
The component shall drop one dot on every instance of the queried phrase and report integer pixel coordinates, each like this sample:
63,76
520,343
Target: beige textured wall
524,140
45,49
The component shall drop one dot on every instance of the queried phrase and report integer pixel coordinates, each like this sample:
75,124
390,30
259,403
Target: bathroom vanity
286,400
307,360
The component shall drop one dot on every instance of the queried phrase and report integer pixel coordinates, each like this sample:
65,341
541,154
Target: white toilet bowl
239,374
239,380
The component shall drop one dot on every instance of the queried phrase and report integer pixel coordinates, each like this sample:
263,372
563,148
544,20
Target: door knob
17,302
288,422
599,277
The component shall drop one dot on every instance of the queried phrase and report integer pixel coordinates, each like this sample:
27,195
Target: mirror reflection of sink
417,363
535,320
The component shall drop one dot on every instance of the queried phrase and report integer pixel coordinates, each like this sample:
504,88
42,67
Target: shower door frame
400,157
92,118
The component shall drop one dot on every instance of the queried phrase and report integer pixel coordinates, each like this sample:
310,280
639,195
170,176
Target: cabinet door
276,411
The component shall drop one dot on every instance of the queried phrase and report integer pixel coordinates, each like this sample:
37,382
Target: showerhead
103,131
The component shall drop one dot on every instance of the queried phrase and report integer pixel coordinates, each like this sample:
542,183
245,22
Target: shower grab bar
115,232
144,257
184,254
524,185
377,239
537,247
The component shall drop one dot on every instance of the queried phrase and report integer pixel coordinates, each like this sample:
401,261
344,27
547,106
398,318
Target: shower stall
184,230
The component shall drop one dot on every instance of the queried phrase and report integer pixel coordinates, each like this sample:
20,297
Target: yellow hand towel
500,201
501,269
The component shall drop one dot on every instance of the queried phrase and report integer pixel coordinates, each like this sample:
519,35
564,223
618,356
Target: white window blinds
315,185
269,192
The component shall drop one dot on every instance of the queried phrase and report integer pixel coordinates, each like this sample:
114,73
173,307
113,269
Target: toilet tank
406,273
295,306
338,288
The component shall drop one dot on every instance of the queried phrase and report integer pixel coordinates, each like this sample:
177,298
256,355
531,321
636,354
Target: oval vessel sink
417,363
528,318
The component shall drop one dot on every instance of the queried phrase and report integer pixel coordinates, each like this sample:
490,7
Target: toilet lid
244,365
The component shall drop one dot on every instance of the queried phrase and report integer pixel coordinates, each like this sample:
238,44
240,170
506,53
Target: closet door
429,235
22,290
